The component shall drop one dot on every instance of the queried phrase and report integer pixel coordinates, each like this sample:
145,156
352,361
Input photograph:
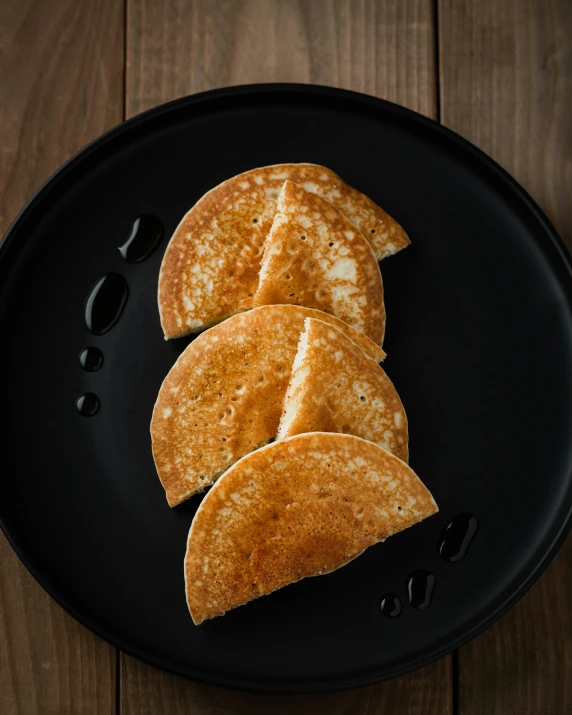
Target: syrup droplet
457,537
420,589
146,235
390,605
87,405
105,303
91,359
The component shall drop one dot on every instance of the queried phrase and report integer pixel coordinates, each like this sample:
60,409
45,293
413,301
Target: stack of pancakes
281,400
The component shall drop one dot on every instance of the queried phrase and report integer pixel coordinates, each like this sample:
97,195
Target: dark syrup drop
457,537
91,359
87,405
105,303
146,235
420,589
390,605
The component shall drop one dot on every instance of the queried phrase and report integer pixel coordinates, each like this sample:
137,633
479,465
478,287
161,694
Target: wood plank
506,85
381,47
522,664
61,84
148,691
385,48
49,664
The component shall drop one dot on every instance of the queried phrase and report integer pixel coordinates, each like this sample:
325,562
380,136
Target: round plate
479,343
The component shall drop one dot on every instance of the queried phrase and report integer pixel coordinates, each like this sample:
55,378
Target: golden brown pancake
224,395
336,387
300,507
314,256
210,268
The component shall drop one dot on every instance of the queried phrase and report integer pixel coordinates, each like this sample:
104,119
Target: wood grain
506,85
61,84
148,691
49,664
384,48
522,664
381,47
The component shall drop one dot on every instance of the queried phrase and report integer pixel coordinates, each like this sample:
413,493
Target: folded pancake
210,268
300,507
315,257
336,387
224,395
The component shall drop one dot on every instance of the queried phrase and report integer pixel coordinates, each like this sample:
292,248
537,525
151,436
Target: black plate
479,341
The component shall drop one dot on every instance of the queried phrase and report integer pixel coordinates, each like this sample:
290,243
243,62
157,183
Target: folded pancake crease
295,508
314,256
224,396
336,387
210,268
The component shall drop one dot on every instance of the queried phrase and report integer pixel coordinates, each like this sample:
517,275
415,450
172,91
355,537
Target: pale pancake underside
210,268
336,387
224,395
295,508
314,256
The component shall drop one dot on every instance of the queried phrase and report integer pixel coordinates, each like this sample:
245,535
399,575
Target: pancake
296,508
315,257
224,395
336,387
210,268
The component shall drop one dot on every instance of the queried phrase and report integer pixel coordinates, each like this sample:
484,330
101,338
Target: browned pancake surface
224,395
210,268
295,508
314,256
336,387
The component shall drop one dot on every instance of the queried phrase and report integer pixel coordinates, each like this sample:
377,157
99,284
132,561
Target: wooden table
499,72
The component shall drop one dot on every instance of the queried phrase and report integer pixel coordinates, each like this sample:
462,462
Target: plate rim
237,92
